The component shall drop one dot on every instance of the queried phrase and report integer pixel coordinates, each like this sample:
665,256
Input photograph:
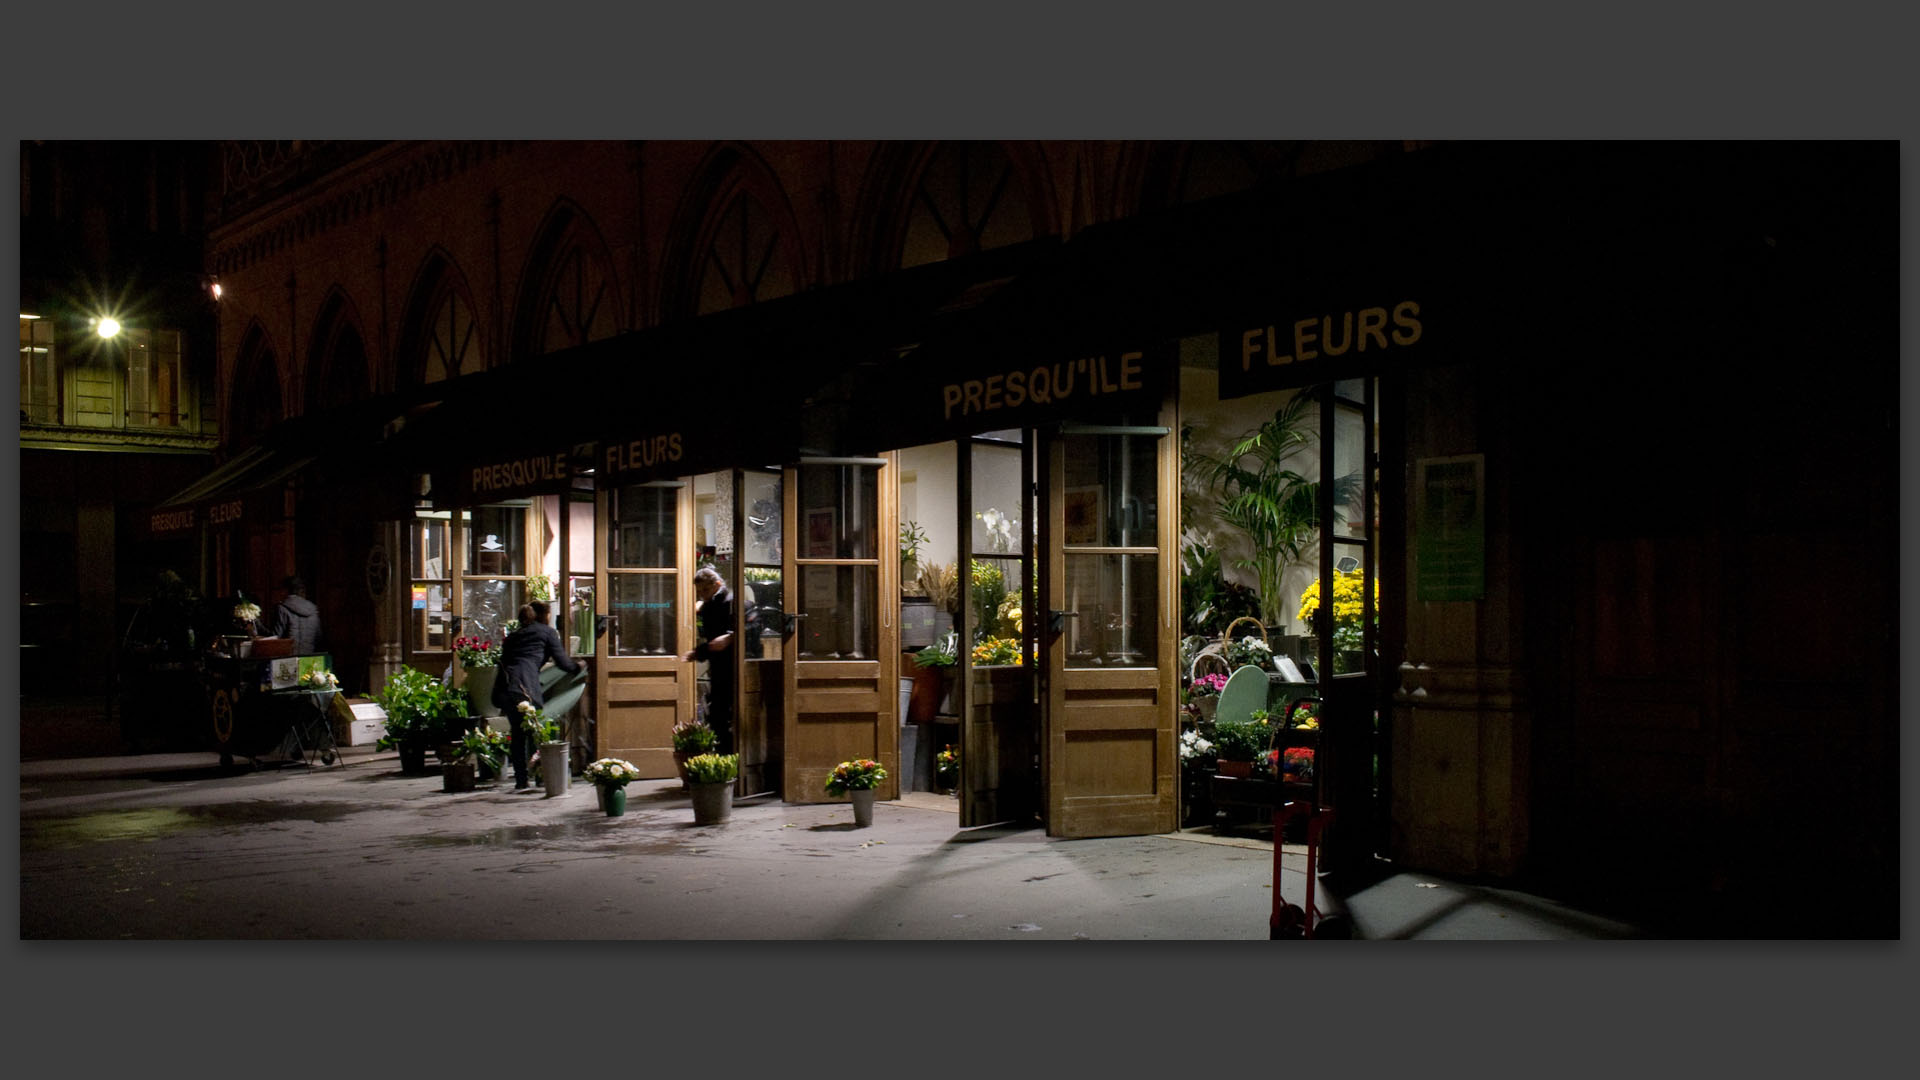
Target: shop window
494,585
837,561
430,606
642,569
1111,550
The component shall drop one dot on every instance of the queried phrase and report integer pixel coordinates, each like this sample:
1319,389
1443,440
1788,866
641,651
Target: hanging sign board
473,483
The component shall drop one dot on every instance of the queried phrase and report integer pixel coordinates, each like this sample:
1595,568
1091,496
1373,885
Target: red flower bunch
476,652
1300,755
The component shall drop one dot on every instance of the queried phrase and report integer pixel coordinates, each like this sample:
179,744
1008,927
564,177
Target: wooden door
842,668
641,684
760,614
998,718
1109,643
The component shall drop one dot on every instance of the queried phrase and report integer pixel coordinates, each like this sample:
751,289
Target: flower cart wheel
1289,923
1334,928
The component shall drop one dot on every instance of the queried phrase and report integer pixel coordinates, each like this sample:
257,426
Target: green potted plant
473,747
421,713
857,780
1236,743
540,587
933,677
690,737
946,768
712,777
610,777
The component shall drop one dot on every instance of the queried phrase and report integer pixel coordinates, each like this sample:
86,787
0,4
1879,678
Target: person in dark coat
522,655
297,618
716,629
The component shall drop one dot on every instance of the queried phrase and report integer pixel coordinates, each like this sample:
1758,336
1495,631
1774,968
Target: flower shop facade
1530,359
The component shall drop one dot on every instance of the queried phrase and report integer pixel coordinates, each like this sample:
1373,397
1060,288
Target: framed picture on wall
1082,512
822,524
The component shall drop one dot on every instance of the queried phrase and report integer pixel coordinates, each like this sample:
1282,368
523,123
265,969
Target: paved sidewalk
173,846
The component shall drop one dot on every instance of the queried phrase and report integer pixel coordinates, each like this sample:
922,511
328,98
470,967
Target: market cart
258,707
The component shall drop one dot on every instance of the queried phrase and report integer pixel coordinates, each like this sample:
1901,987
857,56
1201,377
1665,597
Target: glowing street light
107,327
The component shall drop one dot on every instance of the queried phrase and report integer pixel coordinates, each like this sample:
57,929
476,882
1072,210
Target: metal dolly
1291,922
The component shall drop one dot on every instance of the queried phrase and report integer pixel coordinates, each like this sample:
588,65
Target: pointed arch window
968,199
580,304
452,340
746,259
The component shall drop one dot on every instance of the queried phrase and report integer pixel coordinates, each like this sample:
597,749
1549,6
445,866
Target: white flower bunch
1249,651
614,771
320,679
1000,527
246,611
1193,746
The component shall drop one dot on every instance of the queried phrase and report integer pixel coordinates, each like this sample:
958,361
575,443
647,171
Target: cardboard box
357,723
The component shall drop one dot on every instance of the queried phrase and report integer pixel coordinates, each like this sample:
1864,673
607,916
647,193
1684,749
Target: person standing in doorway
296,617
716,648
522,655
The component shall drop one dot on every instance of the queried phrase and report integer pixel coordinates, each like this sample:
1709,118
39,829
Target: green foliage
988,586
482,745
1240,740
1259,493
911,537
1208,601
420,710
942,653
692,737
713,768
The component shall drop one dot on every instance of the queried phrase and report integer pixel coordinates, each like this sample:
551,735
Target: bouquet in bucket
476,652
861,774
483,746
612,772
319,679
539,728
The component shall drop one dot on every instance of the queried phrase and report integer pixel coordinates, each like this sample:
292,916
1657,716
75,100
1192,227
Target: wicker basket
1227,637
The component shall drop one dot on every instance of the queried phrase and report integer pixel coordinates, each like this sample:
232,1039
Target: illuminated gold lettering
1403,317
992,396
973,397
1302,334
1372,323
1346,333
1129,372
1016,389
1040,385
1249,346
1063,388
950,396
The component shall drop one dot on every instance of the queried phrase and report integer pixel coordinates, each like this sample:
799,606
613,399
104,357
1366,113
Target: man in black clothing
297,618
522,655
716,628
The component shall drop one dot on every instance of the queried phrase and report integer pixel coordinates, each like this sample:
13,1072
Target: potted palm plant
712,777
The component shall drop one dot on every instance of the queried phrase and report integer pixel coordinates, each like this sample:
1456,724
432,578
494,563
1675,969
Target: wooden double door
1079,732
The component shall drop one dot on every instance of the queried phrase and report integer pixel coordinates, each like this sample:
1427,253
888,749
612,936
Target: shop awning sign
1302,348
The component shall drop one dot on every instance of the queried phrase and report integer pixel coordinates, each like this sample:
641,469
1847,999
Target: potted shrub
933,678
1204,693
857,780
479,660
1236,743
690,737
1349,633
421,713
712,777
610,777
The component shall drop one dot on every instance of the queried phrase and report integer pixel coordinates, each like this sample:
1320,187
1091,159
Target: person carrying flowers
522,655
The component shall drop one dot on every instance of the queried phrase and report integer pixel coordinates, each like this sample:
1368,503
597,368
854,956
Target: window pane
763,518
997,596
642,534
997,498
839,511
496,544
643,613
1117,598
429,554
488,605
1112,491
580,535
839,602
429,613
578,628
765,615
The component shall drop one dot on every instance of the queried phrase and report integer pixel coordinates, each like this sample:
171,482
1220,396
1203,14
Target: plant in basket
861,774
1249,652
1205,686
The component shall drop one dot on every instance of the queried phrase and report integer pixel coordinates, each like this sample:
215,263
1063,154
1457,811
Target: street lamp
106,327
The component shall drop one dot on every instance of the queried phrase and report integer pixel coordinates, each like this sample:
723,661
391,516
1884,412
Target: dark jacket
299,619
522,655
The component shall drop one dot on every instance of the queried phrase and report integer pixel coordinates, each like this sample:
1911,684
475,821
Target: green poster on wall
1451,519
